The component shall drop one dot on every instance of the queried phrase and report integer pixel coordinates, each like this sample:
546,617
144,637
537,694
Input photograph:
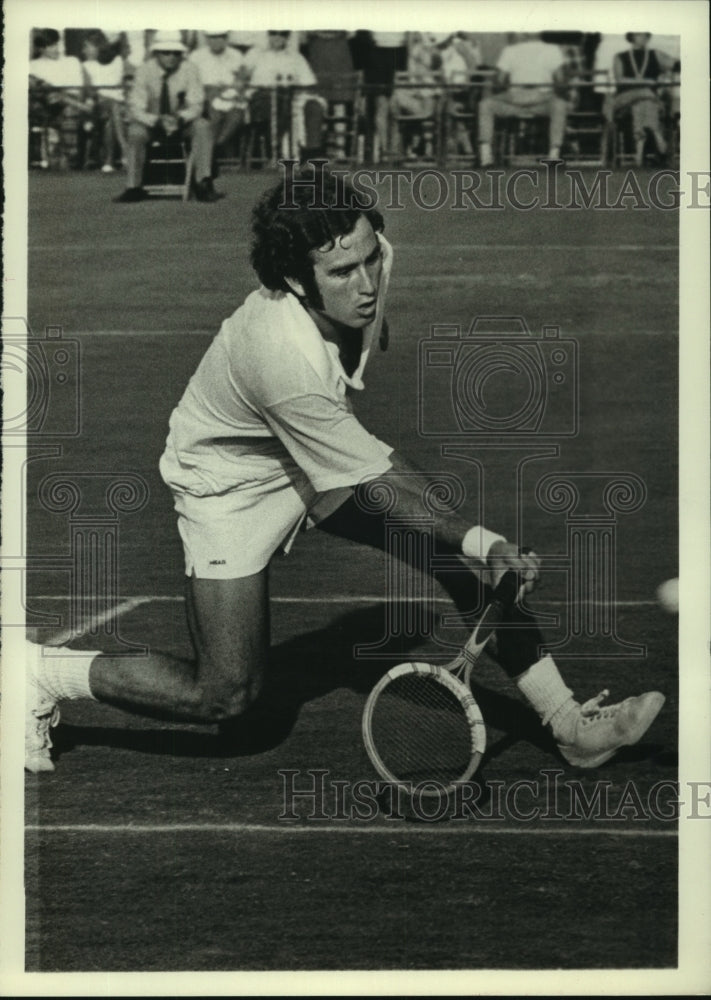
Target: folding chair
39,119
458,120
168,169
587,140
341,123
523,138
267,133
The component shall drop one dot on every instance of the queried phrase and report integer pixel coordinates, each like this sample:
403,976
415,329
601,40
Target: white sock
485,155
64,673
554,153
549,695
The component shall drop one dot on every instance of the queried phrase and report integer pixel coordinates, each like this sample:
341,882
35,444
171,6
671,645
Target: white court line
562,247
372,830
61,638
132,602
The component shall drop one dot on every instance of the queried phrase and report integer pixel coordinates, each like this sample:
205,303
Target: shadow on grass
305,668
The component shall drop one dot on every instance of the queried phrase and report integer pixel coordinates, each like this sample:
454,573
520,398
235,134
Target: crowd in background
83,84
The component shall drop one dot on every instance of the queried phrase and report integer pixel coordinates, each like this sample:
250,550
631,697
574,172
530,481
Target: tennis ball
668,596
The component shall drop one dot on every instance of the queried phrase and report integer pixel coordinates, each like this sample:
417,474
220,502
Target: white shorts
236,534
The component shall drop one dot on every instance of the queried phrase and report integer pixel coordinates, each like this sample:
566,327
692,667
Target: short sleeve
327,441
555,58
305,74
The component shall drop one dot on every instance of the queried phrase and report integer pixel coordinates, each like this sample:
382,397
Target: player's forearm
453,530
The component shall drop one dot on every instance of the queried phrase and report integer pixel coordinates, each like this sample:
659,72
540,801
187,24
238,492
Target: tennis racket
421,723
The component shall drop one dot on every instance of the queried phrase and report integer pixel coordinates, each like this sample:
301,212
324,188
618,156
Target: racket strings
421,731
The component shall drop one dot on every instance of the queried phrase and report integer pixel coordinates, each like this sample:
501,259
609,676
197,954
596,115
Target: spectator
671,45
415,103
104,68
277,67
460,58
384,55
55,69
634,71
328,53
61,86
224,78
527,61
167,102
490,44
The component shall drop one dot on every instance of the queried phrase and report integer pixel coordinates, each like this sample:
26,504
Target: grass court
154,847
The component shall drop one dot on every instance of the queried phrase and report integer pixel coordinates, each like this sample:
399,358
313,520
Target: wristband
477,542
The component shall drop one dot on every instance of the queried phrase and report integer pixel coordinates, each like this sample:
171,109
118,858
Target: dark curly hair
43,38
290,223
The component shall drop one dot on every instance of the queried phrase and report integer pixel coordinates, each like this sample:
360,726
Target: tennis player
264,441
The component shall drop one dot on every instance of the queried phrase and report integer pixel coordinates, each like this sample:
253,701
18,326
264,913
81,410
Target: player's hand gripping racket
421,722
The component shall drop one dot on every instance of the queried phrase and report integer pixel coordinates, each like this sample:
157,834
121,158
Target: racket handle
504,595
506,590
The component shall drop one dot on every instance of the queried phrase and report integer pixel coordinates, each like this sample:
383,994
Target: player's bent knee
220,704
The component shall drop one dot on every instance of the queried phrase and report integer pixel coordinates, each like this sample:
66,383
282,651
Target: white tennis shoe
41,714
598,733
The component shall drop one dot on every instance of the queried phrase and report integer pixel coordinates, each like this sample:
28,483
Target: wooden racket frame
450,676
461,692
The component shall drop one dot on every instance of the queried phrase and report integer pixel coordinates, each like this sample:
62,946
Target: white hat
167,41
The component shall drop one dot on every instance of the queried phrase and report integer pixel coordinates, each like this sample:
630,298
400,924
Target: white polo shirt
271,68
109,75
531,61
217,70
63,72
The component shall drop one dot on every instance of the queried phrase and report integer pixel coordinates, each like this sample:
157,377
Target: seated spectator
460,56
62,88
387,56
104,68
415,102
224,79
527,61
634,71
167,102
328,53
460,59
278,67
671,95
